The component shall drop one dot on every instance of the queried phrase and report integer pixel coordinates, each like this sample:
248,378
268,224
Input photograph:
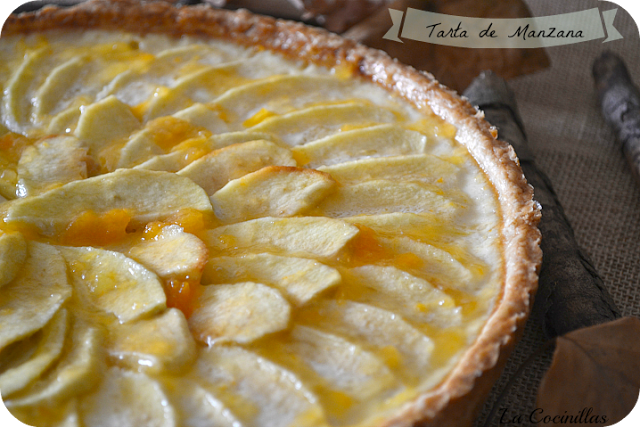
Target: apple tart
212,218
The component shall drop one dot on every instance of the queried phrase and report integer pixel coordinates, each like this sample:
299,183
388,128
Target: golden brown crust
452,402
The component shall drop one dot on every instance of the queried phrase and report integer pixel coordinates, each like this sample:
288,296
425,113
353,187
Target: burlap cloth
575,147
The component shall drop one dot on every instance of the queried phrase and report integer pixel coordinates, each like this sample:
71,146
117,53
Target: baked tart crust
456,399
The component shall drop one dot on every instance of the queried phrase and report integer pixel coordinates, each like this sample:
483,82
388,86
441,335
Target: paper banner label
544,31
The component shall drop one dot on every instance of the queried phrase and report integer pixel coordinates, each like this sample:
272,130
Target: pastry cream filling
196,233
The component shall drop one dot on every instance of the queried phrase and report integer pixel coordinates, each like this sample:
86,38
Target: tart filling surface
199,233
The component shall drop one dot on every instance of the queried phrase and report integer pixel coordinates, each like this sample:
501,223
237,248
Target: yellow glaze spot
92,229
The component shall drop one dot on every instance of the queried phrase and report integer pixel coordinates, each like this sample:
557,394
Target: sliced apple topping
279,397
154,345
383,196
274,191
198,407
344,365
13,252
57,84
216,169
172,253
128,399
188,151
154,196
317,122
419,168
401,292
375,141
19,373
301,236
205,117
242,312
440,266
15,105
403,348
50,163
299,279
279,95
104,122
113,283
74,374
35,295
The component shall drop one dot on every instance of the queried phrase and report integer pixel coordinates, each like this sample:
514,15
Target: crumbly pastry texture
296,229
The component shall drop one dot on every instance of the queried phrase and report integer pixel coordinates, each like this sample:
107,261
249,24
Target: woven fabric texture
579,152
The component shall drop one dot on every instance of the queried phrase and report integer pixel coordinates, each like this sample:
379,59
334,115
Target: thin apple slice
162,343
57,84
439,266
242,312
306,237
198,407
50,163
419,168
200,86
16,105
279,397
105,121
275,191
128,399
216,169
403,348
202,116
280,94
147,195
313,123
13,253
398,291
172,253
74,374
299,279
423,227
35,295
383,196
375,141
111,282
344,365
21,373
184,154
140,147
